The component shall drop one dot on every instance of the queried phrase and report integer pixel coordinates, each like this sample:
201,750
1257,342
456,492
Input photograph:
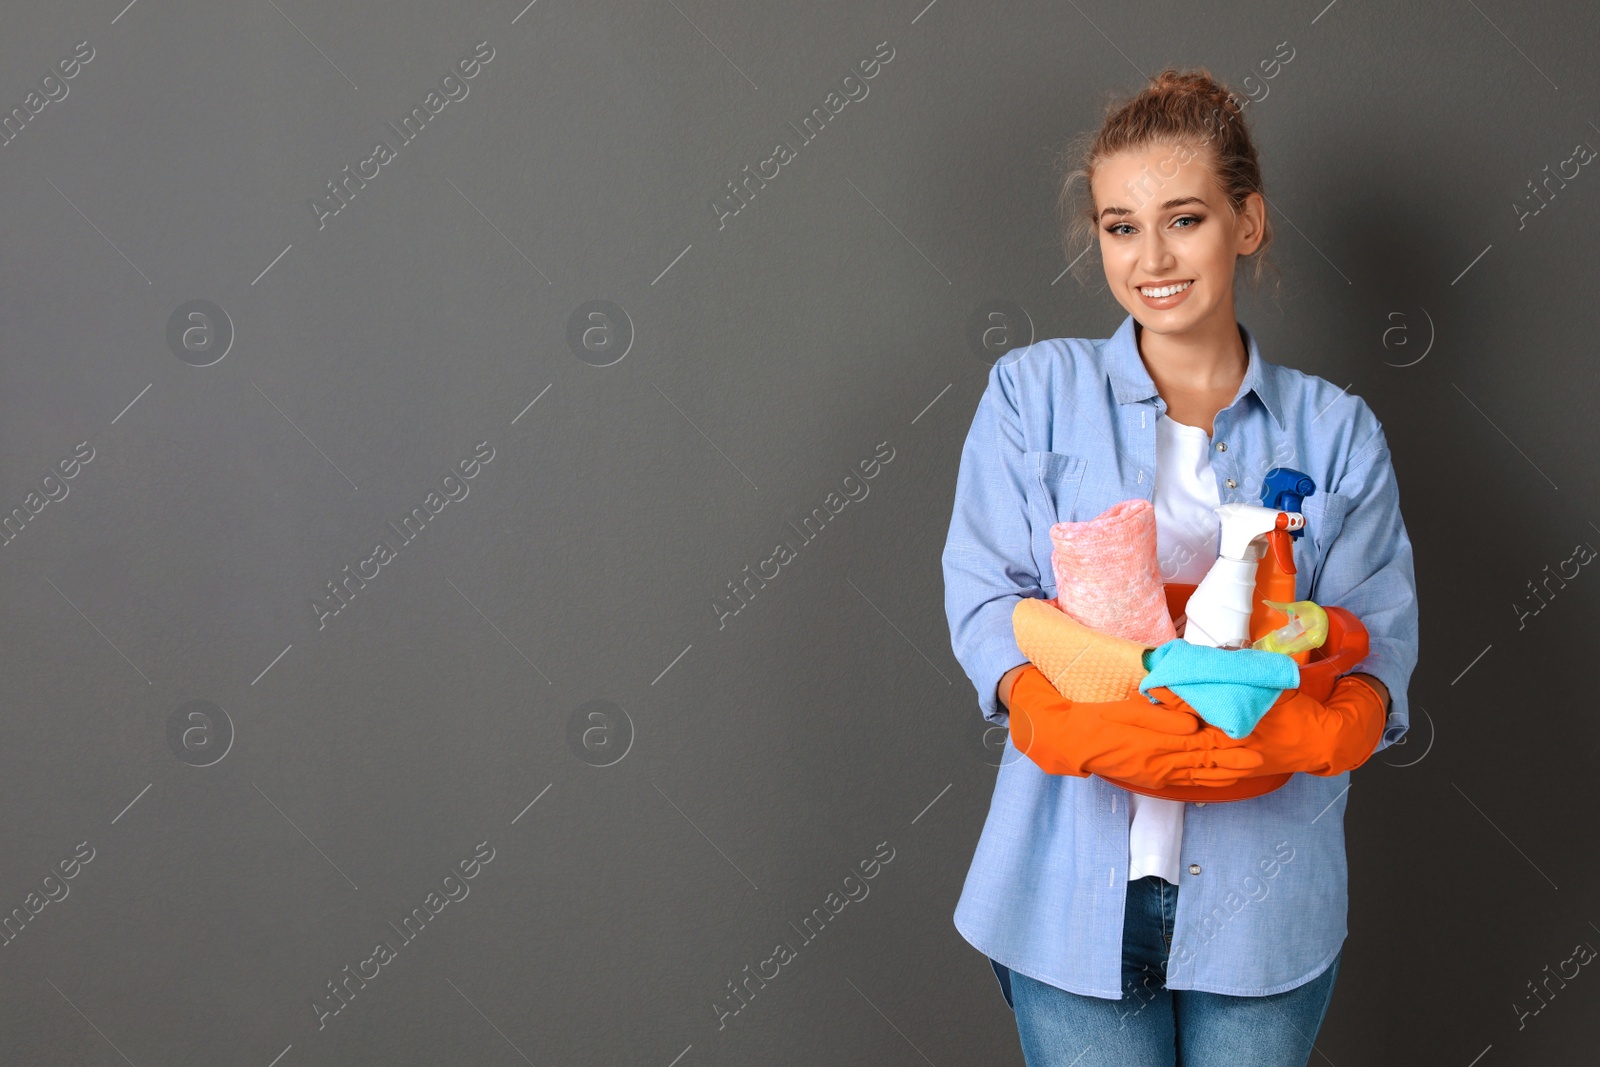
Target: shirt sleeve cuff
1399,718
994,660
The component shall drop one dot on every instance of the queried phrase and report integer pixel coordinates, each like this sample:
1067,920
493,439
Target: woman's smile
1166,296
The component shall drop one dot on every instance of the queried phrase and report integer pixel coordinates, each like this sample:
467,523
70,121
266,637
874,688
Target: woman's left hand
1299,732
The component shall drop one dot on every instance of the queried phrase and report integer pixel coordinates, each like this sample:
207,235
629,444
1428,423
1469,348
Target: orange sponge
1083,664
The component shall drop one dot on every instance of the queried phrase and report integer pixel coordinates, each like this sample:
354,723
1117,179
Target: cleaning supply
1275,736
1256,555
1107,576
1284,489
1068,736
1231,690
1081,663
1244,598
1079,739
1306,629
1219,611
1322,737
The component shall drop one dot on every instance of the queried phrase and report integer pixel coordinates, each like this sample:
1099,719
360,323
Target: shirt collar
1131,382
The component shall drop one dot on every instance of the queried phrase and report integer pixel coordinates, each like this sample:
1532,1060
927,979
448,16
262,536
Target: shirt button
1222,446
1231,484
1194,868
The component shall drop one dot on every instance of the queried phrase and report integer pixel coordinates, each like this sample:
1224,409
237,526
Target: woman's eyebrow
1179,202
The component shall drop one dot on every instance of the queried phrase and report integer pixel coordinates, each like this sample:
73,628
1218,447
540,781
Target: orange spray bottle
1283,490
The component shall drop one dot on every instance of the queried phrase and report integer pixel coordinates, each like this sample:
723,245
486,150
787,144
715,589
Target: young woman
1127,929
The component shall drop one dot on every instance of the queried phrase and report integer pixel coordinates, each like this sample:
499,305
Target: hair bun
1196,82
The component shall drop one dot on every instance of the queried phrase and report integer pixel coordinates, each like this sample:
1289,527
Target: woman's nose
1154,255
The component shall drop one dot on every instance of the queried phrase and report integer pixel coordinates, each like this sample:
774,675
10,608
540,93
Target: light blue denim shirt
1065,429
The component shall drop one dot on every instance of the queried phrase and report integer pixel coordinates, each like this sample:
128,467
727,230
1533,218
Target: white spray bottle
1219,609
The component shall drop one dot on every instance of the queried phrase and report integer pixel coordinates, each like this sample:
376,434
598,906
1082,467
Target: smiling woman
1088,897
1174,216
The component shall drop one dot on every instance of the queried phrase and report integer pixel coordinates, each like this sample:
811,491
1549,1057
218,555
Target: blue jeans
1152,1026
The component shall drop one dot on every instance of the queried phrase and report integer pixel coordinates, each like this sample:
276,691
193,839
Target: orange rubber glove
1321,737
1299,732
1080,739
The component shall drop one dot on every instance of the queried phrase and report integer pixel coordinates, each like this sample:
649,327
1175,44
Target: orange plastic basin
1346,646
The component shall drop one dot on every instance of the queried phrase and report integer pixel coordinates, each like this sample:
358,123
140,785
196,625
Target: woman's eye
1120,229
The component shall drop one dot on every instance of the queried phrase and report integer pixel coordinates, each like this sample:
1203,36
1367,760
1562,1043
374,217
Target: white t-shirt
1188,535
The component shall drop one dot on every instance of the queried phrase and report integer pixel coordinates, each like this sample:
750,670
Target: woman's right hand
1177,748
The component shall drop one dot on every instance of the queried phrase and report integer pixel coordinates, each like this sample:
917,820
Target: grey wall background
229,858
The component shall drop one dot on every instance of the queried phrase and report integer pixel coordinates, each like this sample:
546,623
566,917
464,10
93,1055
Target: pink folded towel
1107,577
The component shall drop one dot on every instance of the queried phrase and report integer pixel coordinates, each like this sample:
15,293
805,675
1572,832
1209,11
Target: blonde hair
1179,107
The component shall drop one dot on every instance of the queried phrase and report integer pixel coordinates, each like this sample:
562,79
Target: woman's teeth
1167,290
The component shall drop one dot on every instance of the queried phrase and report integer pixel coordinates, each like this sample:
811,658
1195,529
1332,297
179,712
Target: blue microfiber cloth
1231,689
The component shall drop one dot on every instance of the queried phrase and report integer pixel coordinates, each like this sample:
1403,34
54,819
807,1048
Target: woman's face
1165,226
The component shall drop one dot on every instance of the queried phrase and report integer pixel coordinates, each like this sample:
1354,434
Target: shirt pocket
1324,514
1054,479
